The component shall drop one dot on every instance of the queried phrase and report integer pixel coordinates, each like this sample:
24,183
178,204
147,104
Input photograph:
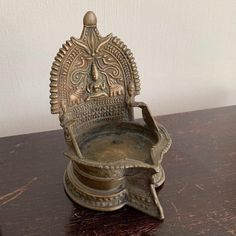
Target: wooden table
199,196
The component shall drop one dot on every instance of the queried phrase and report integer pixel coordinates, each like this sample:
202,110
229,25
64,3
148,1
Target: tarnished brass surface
113,160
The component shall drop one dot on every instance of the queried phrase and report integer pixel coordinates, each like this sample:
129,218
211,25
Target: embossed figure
97,87
115,89
77,96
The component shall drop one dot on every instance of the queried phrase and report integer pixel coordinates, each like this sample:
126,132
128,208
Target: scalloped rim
55,74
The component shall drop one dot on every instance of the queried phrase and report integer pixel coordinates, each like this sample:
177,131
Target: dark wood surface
199,195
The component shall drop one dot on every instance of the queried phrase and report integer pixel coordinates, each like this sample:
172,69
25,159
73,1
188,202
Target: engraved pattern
99,109
92,67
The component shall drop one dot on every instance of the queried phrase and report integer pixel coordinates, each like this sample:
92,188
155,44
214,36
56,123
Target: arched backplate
93,70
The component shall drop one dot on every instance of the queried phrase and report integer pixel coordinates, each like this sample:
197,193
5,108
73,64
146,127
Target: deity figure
98,86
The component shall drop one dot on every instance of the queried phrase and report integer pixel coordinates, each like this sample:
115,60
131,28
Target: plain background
185,51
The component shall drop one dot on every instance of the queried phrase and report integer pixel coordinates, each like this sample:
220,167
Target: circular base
108,200
90,198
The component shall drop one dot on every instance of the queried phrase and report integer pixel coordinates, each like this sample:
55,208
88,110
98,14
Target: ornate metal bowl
113,159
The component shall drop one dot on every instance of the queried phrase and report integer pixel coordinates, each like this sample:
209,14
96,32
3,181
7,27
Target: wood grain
198,196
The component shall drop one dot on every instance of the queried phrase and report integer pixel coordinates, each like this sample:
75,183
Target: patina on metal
114,160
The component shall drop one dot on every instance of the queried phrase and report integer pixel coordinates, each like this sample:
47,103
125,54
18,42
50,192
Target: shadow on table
125,221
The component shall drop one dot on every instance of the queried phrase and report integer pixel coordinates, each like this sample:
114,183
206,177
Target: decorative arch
92,66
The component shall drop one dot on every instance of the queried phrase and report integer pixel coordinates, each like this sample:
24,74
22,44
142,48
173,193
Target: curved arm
148,118
156,150
66,123
76,146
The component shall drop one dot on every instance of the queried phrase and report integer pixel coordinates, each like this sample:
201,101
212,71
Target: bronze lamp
114,160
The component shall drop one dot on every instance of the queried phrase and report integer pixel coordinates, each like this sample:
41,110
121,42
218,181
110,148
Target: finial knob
90,19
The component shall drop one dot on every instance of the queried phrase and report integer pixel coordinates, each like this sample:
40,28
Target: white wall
185,51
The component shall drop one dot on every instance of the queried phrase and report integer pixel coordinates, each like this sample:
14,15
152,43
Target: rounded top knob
90,19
